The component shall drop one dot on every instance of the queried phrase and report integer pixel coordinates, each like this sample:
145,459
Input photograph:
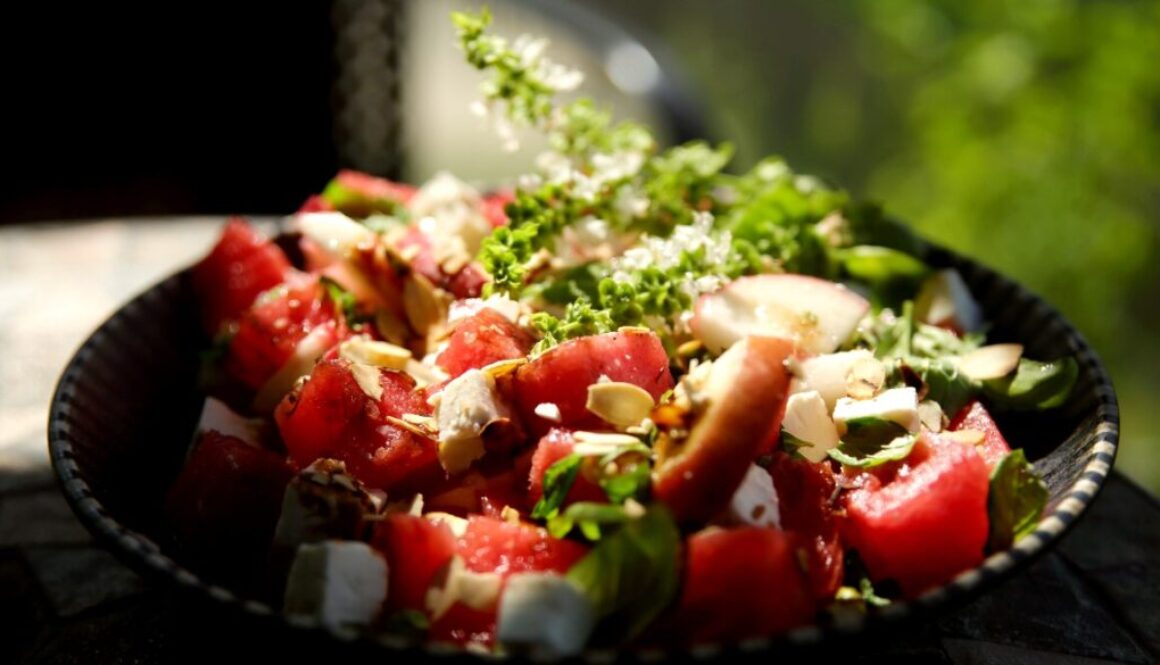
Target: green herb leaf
1035,385
411,623
631,576
945,384
358,205
632,484
891,275
870,442
345,304
1015,500
589,516
790,445
558,480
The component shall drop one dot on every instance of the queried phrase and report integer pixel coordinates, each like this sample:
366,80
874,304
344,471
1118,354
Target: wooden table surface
1094,598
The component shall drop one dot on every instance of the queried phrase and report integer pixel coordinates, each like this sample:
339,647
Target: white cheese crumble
217,417
827,374
899,405
449,215
549,411
808,420
339,582
545,612
755,501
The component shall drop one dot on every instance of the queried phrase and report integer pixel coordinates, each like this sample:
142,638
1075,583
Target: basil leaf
1035,385
945,384
412,623
875,264
589,517
345,304
558,481
790,445
632,484
872,441
631,575
1015,500
357,204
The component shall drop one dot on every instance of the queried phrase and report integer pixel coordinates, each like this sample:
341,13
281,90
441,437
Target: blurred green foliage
1025,133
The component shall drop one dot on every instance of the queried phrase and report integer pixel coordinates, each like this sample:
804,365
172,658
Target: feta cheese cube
827,374
808,419
545,612
217,417
899,405
341,583
479,591
755,501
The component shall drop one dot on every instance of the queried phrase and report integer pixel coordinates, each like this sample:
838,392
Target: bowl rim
141,553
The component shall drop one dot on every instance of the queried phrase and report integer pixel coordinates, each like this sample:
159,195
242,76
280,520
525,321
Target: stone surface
76,579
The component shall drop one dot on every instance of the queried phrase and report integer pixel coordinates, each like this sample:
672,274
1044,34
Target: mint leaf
558,481
631,575
1035,385
870,442
1015,500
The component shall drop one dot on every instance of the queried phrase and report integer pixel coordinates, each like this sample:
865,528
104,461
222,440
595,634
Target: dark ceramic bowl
127,403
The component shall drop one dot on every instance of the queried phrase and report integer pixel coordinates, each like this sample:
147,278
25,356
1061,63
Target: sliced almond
503,367
425,304
991,362
457,524
478,591
413,428
621,404
970,437
425,375
931,415
601,443
865,378
509,514
369,379
392,328
366,351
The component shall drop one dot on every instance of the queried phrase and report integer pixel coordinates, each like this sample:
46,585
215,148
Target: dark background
1025,133
167,107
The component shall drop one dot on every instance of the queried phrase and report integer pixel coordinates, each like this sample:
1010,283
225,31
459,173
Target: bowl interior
127,404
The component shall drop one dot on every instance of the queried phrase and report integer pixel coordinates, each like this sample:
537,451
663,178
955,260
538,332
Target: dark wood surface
1094,598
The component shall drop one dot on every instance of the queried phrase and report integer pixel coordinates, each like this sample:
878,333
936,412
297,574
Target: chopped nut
621,404
510,514
865,378
424,374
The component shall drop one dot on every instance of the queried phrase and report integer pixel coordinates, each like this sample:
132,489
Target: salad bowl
127,404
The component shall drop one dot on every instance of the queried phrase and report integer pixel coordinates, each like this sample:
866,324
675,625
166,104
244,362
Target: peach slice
816,313
740,408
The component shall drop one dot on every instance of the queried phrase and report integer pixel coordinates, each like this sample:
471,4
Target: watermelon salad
634,399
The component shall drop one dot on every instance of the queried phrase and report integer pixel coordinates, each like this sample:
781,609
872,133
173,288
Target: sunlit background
1025,133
